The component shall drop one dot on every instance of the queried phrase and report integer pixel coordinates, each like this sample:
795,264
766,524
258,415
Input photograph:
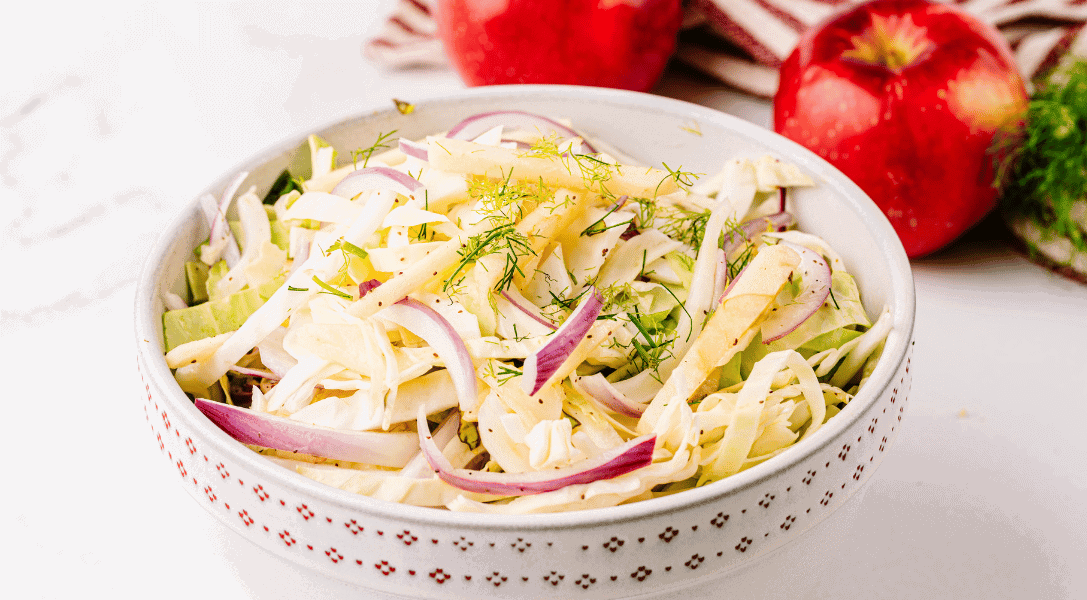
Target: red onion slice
418,467
426,323
270,431
534,314
751,229
368,286
631,456
476,125
815,278
376,178
413,149
599,390
541,365
731,284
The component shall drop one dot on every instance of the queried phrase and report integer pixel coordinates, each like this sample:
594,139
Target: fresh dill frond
508,373
547,147
598,226
502,237
686,260
652,345
366,153
593,168
593,171
503,372
560,302
502,201
426,206
654,350
681,306
684,225
505,196
617,298
737,264
559,307
693,128
645,212
684,179
637,322
328,289
347,248
1050,166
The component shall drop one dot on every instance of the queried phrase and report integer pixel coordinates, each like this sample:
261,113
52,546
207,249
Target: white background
113,116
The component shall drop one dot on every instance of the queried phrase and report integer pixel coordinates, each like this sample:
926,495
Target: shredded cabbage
501,243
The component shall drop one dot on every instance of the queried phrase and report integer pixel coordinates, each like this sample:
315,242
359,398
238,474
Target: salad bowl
639,549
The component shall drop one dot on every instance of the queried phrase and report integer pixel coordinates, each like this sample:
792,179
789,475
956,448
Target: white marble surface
113,116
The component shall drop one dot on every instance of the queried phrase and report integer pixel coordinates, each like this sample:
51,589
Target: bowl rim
901,297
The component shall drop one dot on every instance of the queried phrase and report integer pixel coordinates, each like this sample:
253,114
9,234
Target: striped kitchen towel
743,42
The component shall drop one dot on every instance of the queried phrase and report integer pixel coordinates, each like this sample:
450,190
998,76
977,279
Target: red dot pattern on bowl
415,554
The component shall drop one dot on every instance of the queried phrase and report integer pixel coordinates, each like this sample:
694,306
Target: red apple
910,99
607,43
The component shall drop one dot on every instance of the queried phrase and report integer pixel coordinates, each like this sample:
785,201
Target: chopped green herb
693,128
502,200
1050,167
506,197
645,211
426,206
591,169
683,179
651,354
366,153
331,290
284,184
503,237
503,372
687,226
599,226
347,248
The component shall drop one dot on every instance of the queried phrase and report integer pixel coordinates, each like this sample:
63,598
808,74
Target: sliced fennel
583,332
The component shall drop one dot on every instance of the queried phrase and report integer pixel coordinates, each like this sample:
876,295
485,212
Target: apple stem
894,42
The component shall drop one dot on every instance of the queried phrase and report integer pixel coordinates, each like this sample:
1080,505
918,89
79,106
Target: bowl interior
651,129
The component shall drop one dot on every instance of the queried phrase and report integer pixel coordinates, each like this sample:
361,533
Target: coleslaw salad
508,317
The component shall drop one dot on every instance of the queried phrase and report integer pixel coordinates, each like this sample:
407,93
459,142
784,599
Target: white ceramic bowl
641,548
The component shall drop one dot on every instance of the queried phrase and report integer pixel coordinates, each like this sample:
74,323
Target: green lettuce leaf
216,316
842,311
